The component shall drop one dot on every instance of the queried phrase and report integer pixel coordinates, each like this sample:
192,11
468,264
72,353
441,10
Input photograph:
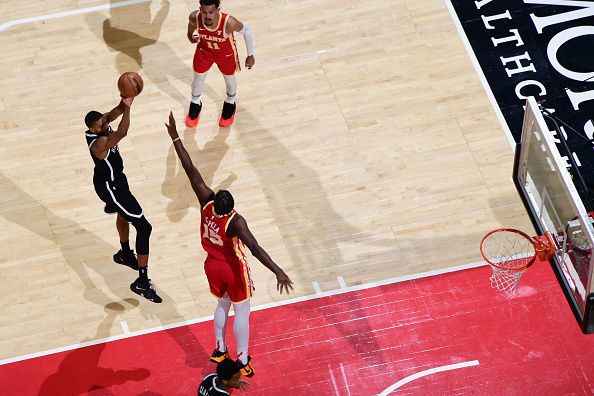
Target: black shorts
116,194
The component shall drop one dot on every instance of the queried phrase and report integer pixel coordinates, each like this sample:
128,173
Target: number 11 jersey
215,46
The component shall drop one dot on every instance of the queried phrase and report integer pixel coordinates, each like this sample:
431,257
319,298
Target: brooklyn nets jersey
209,387
110,168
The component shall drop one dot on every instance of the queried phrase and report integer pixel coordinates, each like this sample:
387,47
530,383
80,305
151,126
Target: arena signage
540,48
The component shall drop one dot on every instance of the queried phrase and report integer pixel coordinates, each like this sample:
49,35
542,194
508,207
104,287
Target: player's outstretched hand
249,61
243,384
171,128
283,282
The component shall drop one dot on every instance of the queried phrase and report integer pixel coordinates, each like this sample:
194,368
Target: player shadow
79,371
133,33
176,185
86,252
269,158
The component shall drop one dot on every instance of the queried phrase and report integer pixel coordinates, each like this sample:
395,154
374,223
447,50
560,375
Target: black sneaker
246,369
228,114
145,289
110,209
126,258
195,109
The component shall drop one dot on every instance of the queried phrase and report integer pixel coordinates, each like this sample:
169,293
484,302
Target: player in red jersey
224,234
213,31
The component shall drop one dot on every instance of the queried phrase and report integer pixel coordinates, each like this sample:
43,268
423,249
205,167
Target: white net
509,253
505,280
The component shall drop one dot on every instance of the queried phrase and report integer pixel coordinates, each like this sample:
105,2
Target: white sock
231,83
196,99
220,322
198,87
241,329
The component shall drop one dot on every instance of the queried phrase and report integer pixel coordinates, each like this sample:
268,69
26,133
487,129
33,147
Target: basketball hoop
510,253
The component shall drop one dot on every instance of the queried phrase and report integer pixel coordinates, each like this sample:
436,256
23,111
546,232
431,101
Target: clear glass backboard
546,181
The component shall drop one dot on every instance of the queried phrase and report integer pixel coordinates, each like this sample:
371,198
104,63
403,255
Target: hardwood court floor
364,147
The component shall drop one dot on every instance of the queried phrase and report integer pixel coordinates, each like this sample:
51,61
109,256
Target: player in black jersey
228,377
112,188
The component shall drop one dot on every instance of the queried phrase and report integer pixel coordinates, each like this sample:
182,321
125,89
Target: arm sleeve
249,39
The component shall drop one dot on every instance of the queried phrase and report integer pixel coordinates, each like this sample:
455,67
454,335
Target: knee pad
143,233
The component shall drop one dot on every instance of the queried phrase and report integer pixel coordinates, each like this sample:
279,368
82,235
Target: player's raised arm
233,25
116,112
104,143
202,191
192,28
124,125
239,228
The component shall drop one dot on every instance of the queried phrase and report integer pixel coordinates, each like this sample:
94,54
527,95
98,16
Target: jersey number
212,45
213,237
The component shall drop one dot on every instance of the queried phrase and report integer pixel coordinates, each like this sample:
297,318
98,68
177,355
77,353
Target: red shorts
228,63
235,280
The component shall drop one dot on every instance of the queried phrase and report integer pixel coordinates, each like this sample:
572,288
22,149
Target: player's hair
223,202
227,369
216,3
92,117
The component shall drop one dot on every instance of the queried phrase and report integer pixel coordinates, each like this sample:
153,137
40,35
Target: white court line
62,14
479,71
345,380
341,282
316,287
333,381
256,308
125,327
424,373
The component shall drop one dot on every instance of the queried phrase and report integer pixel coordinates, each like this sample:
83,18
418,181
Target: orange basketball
130,84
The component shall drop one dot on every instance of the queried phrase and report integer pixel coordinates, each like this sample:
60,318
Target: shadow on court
176,185
80,371
299,221
85,252
133,32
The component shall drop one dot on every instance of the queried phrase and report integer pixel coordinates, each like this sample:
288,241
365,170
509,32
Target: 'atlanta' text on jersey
216,39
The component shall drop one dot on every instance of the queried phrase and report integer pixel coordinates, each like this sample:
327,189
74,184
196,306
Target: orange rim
512,230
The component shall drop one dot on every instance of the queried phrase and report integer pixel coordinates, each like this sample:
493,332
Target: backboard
548,180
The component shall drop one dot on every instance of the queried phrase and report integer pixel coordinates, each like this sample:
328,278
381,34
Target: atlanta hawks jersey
216,39
214,239
111,167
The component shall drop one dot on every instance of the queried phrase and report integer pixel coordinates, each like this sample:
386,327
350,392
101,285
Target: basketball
130,84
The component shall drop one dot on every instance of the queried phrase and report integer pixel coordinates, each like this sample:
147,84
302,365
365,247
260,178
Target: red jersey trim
235,53
245,269
225,27
208,203
229,221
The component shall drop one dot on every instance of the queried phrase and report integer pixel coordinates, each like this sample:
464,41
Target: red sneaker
192,123
228,114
